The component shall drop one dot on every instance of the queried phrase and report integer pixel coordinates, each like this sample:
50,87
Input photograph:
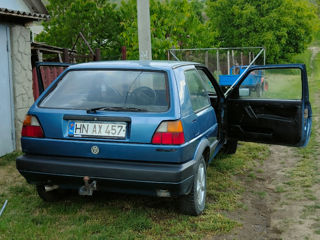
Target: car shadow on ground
118,201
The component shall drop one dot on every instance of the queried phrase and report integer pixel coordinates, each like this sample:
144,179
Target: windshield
109,89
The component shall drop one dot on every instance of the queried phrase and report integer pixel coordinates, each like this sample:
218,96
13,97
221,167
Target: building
16,95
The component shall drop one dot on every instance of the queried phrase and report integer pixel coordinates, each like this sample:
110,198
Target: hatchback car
152,127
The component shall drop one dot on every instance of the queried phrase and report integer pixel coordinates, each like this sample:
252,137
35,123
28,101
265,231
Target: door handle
250,112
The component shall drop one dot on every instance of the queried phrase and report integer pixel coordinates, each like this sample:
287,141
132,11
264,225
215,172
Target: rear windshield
128,90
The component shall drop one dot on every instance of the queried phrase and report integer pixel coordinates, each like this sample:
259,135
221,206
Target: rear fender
204,143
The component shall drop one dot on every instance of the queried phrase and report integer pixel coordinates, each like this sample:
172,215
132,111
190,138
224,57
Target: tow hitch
88,188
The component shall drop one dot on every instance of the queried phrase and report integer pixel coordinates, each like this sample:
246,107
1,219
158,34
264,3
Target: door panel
267,121
275,109
7,144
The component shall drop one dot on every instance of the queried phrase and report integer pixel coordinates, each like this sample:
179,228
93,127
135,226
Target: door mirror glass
272,84
244,92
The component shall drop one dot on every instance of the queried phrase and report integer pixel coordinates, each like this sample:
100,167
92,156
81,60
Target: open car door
277,111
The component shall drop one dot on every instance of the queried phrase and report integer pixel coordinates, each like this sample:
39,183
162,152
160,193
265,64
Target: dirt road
282,198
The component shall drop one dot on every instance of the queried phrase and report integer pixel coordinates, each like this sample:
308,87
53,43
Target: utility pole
144,34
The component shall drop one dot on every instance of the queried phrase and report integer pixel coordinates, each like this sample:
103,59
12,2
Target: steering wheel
144,96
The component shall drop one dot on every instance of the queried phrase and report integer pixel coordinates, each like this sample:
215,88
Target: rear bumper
111,175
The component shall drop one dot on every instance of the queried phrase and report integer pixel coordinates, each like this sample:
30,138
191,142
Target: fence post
123,53
228,54
206,59
97,56
232,54
218,63
66,57
241,58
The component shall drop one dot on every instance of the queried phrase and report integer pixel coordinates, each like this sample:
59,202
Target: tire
230,147
49,196
194,203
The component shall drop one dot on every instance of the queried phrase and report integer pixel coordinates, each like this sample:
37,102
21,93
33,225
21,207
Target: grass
284,85
9,158
280,189
119,216
305,175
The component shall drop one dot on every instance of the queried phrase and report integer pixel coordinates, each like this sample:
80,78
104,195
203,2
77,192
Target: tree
97,20
174,23
284,27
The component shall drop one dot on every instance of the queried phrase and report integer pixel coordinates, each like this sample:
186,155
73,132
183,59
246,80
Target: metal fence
220,60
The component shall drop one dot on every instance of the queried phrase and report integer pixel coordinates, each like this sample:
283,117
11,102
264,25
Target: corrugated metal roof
22,16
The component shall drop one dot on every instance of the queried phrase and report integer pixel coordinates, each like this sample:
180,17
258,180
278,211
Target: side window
198,95
206,82
272,84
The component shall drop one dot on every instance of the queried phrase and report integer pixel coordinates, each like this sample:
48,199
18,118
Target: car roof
146,65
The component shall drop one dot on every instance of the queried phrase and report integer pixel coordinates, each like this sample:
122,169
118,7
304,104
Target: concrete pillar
144,34
21,76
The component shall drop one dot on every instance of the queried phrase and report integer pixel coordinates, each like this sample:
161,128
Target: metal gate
7,139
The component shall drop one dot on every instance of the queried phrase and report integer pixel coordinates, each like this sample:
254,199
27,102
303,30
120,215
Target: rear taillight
31,127
169,133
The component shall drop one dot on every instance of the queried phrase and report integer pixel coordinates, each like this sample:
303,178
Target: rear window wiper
116,109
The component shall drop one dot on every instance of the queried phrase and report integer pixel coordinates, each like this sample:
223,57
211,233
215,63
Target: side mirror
244,92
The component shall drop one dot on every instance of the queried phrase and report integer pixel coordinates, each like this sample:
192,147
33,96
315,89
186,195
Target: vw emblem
95,149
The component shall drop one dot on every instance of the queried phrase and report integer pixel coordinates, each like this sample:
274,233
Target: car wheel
49,195
230,147
194,203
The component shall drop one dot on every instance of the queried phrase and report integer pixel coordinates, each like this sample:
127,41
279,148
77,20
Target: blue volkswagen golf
152,127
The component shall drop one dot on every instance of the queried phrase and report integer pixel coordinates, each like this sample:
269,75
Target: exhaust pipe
88,188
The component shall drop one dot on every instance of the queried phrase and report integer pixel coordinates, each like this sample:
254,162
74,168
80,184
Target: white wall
21,75
7,137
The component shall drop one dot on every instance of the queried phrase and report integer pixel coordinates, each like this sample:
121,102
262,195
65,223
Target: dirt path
282,201
262,212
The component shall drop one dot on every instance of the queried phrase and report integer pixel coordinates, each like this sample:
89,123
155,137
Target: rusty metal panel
44,74
35,85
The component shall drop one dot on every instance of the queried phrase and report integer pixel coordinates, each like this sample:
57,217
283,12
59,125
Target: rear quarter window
198,95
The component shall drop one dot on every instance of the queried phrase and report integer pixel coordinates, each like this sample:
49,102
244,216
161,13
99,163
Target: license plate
97,129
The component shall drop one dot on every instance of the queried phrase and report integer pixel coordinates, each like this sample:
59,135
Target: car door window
198,95
279,113
272,84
